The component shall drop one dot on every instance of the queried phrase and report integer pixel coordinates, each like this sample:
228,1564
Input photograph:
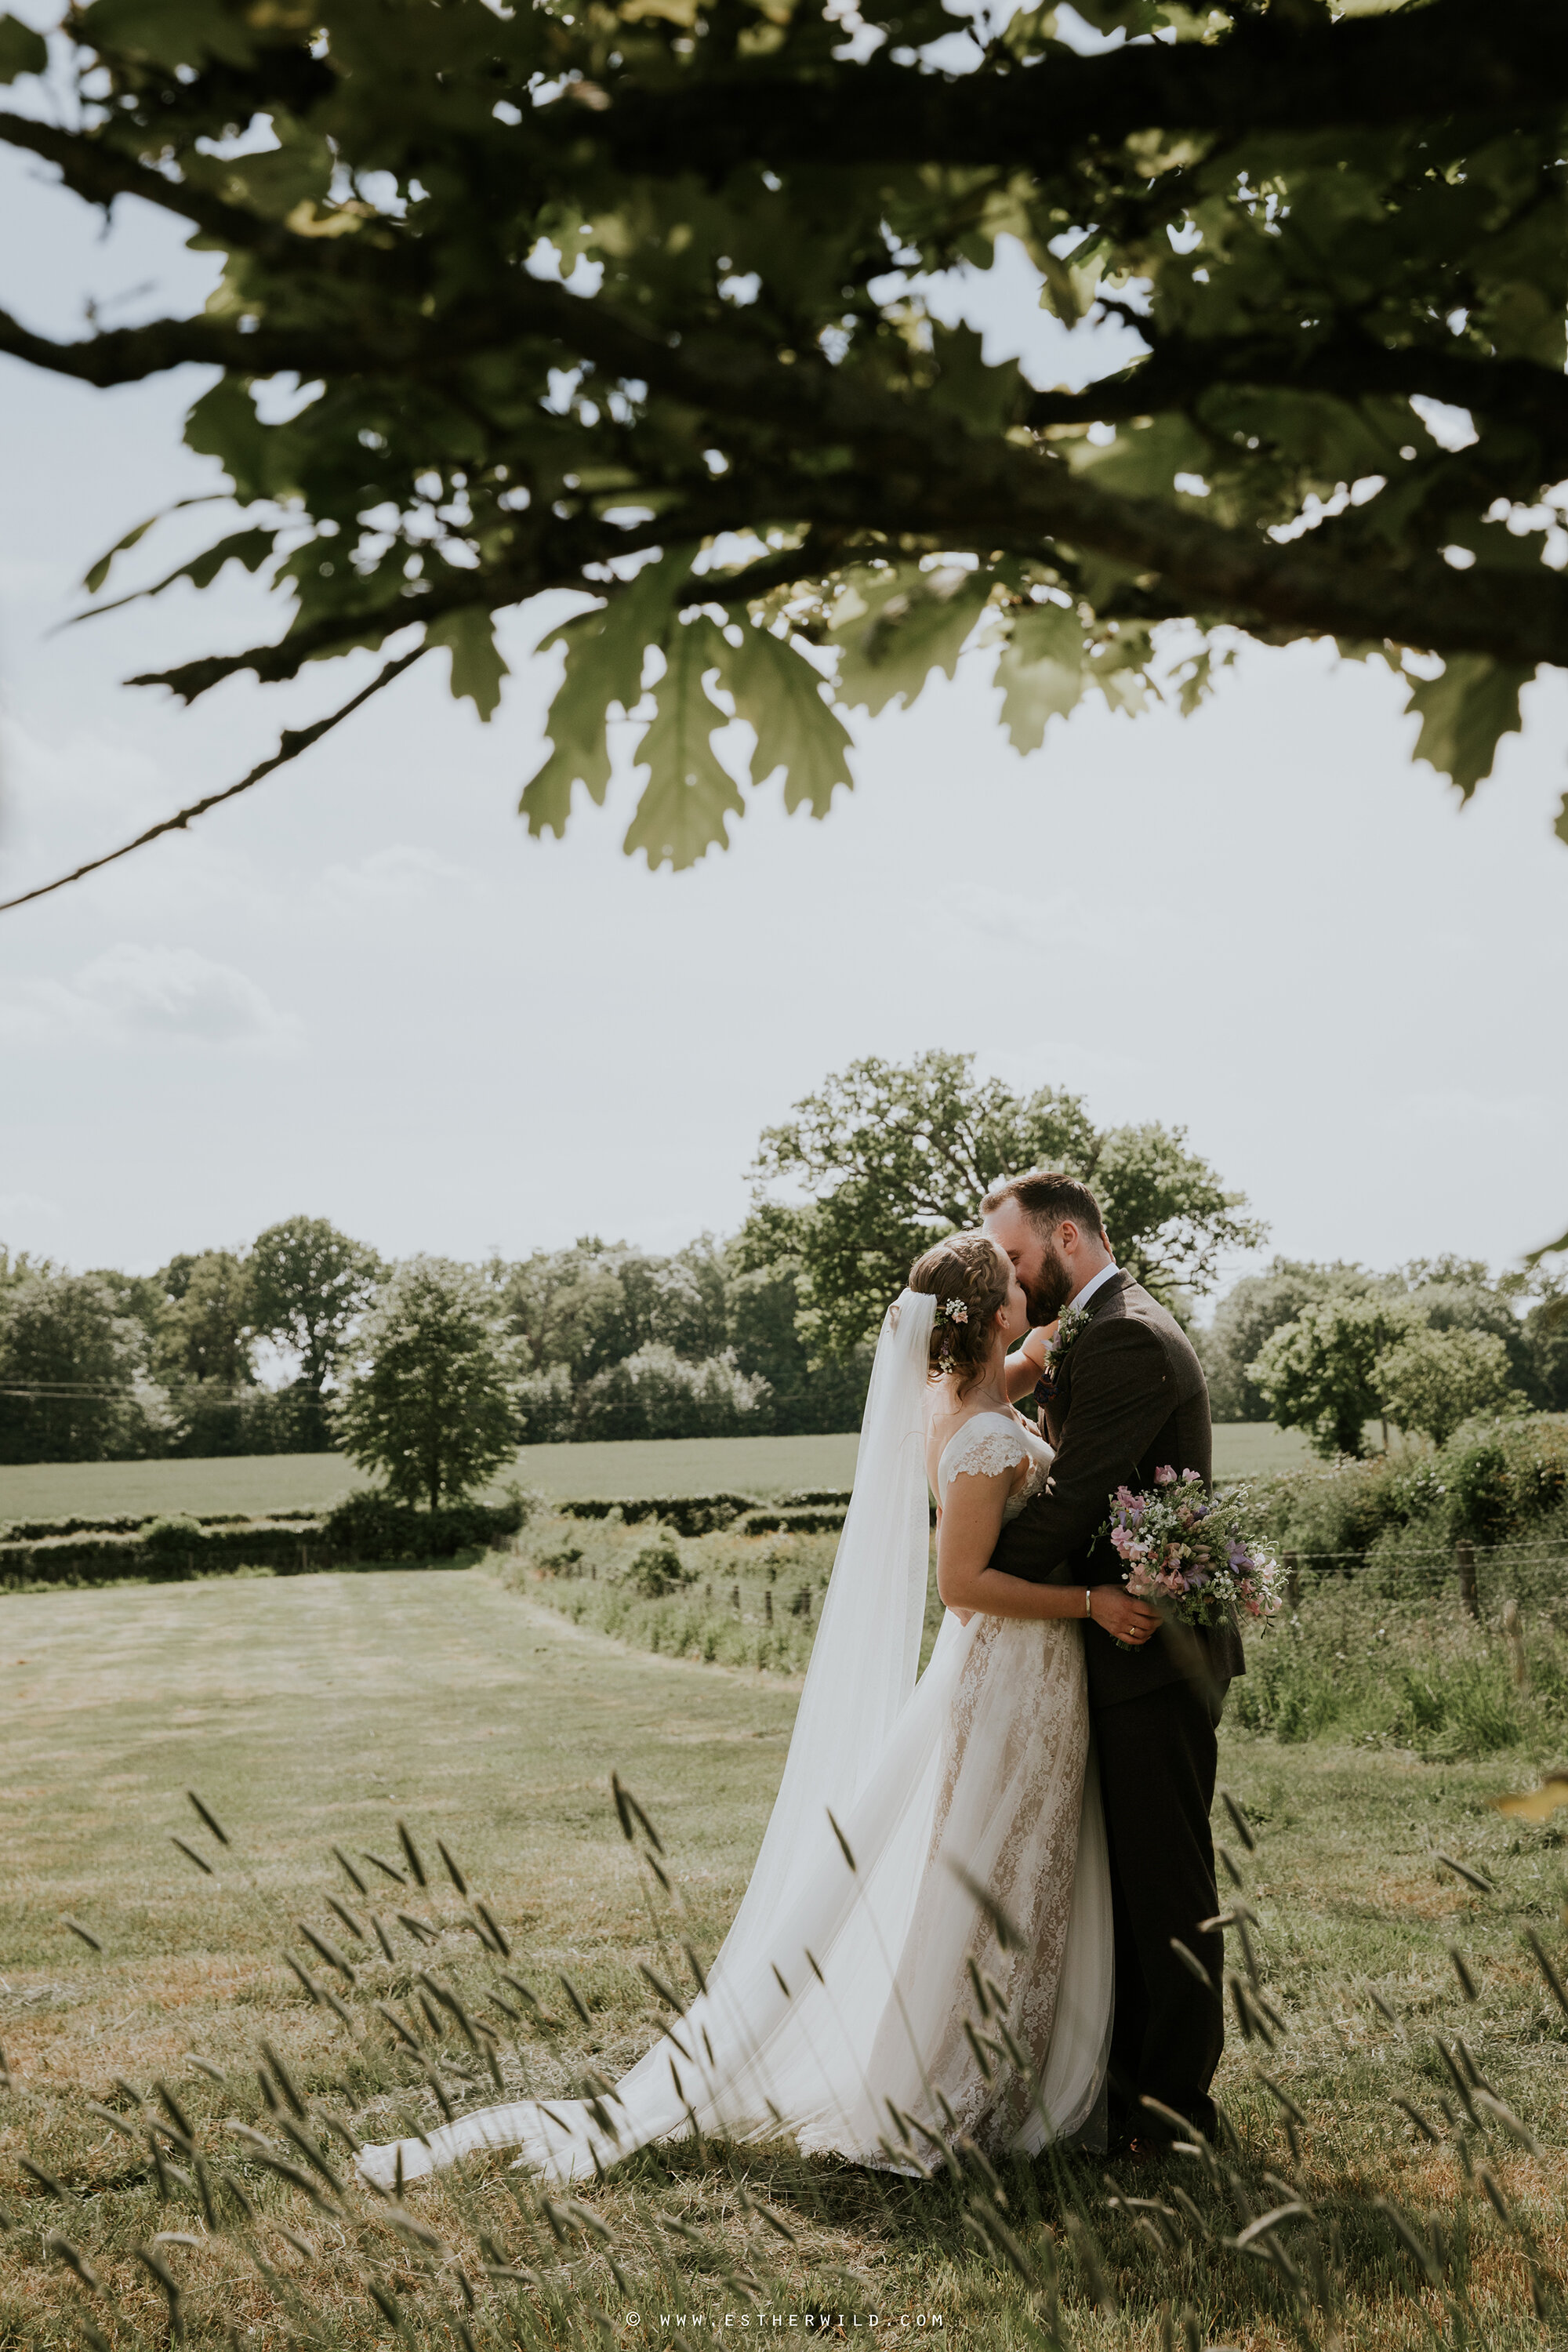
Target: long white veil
843,1971
867,1646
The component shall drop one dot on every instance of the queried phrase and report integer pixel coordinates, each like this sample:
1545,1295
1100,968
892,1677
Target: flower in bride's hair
955,1310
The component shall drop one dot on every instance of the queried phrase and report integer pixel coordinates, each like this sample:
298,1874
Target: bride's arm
1026,1366
966,1538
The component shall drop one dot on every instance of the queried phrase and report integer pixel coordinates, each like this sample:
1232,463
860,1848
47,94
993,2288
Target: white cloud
399,876
27,1205
135,991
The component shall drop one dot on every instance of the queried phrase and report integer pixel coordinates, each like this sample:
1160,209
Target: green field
260,1483
316,1709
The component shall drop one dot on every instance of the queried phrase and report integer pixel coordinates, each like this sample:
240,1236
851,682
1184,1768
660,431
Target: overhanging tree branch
1416,65
1344,366
1326,219
295,740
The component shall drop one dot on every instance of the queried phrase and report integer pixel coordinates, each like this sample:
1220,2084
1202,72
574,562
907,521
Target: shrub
658,1568
176,1533
1491,1482
768,1521
688,1515
373,1525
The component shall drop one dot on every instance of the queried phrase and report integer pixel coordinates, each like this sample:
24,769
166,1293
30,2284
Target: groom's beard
1051,1288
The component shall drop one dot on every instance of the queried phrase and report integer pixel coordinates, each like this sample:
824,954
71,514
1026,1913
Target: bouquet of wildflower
1192,1554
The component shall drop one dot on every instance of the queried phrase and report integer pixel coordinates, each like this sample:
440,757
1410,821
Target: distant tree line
769,1330
112,1366
432,1372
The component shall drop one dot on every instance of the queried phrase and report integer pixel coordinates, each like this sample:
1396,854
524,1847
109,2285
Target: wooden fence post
1293,1578
768,1604
1465,1558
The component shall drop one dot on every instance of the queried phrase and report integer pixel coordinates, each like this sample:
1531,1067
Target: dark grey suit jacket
1130,1400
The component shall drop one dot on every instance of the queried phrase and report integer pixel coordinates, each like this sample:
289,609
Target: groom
1127,1399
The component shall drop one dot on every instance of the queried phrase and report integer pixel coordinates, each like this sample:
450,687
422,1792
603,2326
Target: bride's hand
1120,1616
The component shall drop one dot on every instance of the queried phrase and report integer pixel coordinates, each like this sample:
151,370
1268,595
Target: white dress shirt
1080,1299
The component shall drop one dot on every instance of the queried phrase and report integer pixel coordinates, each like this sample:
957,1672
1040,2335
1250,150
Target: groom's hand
1122,1617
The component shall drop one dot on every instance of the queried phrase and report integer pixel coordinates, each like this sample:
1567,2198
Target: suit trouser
1158,1756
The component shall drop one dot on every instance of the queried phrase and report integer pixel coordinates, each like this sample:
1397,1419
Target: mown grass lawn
260,1483
315,1711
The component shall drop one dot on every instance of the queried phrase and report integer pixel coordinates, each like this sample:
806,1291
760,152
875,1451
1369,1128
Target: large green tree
1436,1376
893,1157
207,1324
636,302
431,1401
1320,1373
309,1285
1248,1315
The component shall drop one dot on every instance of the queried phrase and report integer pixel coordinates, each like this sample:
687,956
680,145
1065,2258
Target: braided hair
969,1278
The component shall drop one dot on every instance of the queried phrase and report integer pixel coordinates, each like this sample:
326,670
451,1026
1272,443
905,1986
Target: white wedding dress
835,2011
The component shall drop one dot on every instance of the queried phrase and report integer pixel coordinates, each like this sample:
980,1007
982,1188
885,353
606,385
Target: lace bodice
989,1442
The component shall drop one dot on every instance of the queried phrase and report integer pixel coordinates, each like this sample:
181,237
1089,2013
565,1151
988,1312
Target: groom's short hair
1048,1200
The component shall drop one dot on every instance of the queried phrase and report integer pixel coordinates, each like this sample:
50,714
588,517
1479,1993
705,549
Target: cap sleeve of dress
984,1447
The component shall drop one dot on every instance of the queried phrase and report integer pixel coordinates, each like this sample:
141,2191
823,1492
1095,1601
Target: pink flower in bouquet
1165,1477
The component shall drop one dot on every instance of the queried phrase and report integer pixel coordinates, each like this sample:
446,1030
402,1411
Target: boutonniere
1073,1322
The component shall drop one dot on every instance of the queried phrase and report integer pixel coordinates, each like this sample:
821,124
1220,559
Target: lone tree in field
895,1156
634,301
432,1404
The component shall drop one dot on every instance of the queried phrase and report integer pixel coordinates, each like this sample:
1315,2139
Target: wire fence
1477,1578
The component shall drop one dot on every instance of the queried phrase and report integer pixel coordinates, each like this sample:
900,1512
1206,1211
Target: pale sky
362,993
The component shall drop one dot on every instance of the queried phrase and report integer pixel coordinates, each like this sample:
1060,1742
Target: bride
925,1945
